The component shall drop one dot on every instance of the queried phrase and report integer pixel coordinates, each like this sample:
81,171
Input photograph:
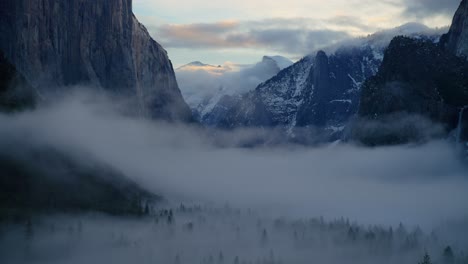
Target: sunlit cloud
259,27
286,36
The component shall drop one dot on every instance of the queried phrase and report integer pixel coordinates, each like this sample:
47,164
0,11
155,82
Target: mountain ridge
418,78
289,100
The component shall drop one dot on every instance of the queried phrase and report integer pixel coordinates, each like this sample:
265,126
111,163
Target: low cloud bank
205,85
422,185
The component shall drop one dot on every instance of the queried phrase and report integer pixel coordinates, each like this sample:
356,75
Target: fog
418,185
207,84
272,203
201,235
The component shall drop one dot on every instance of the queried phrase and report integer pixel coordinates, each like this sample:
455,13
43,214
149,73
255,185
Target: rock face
326,97
210,111
417,77
206,88
319,93
456,40
57,44
15,92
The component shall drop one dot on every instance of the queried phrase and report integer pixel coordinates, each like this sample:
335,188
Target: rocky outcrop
319,94
57,44
319,91
417,77
212,90
456,40
15,93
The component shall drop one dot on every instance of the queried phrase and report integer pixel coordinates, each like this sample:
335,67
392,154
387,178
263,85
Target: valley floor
206,235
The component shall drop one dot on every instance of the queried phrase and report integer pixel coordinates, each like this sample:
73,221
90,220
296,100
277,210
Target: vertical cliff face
456,40
417,77
58,44
318,93
15,92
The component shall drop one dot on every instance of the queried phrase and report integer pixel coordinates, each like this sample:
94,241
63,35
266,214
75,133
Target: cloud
195,35
238,29
426,8
290,36
351,22
417,185
207,84
283,190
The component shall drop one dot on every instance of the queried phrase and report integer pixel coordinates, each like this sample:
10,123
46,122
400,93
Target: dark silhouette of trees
448,256
426,259
264,238
29,229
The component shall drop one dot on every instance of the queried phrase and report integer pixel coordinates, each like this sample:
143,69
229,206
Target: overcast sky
243,31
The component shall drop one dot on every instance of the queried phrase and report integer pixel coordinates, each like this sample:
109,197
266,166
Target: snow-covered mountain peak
281,61
412,28
204,85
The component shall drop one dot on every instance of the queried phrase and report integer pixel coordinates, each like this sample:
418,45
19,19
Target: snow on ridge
281,61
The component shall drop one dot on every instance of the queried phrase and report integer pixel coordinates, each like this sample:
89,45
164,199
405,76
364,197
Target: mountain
204,86
456,40
417,77
58,44
38,179
420,86
200,66
321,91
280,61
195,64
15,92
50,47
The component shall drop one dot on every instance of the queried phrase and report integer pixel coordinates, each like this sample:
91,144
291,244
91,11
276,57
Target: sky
242,31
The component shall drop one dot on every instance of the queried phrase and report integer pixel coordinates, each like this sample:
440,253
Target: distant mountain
59,44
196,64
199,66
204,85
281,62
321,91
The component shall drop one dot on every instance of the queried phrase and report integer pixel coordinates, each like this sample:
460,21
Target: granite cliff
456,40
58,44
418,78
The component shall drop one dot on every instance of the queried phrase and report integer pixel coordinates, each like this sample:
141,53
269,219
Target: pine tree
401,231
264,238
147,209
352,234
426,259
177,259
29,231
170,217
448,255
220,258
